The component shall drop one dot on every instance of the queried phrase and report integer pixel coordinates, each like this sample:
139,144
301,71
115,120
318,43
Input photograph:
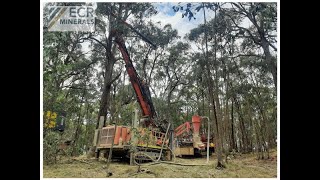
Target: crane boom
141,89
122,134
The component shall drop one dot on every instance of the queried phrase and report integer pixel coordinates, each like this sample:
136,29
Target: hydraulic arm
141,89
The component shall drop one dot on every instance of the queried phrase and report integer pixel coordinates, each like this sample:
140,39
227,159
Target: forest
216,60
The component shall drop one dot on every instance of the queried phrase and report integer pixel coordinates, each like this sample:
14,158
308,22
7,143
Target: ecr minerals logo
71,18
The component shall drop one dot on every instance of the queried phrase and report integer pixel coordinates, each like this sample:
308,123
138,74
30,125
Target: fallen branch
81,161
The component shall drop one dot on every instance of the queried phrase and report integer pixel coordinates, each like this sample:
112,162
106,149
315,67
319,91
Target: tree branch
105,46
153,65
67,76
252,18
145,63
273,47
246,55
114,79
249,32
73,87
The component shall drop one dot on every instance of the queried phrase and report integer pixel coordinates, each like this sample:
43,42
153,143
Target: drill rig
190,138
146,135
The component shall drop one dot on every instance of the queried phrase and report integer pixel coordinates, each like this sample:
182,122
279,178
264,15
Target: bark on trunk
272,64
233,142
214,99
105,97
78,129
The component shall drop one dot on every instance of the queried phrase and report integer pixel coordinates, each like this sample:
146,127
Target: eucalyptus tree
226,49
65,66
262,30
103,36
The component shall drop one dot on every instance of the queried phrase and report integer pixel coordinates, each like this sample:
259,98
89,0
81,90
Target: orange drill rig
148,135
190,139
187,137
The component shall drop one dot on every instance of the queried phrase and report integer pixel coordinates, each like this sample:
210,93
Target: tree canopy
224,68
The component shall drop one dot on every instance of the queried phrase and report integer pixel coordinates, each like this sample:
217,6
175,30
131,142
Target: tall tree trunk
227,128
242,127
217,133
203,109
258,139
271,62
233,142
105,97
243,133
108,65
214,100
262,41
251,132
78,127
265,124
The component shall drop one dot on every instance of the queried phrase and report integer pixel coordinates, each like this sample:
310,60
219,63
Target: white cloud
183,25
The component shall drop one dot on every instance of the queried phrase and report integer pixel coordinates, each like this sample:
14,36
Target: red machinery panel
196,123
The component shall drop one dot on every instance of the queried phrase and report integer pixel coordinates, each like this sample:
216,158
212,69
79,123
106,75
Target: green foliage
50,147
190,9
74,67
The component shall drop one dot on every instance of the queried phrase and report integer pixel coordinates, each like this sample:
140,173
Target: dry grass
244,166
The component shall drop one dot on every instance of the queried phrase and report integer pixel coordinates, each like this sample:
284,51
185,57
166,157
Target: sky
166,15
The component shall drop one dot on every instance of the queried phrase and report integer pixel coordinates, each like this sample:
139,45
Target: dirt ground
240,166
